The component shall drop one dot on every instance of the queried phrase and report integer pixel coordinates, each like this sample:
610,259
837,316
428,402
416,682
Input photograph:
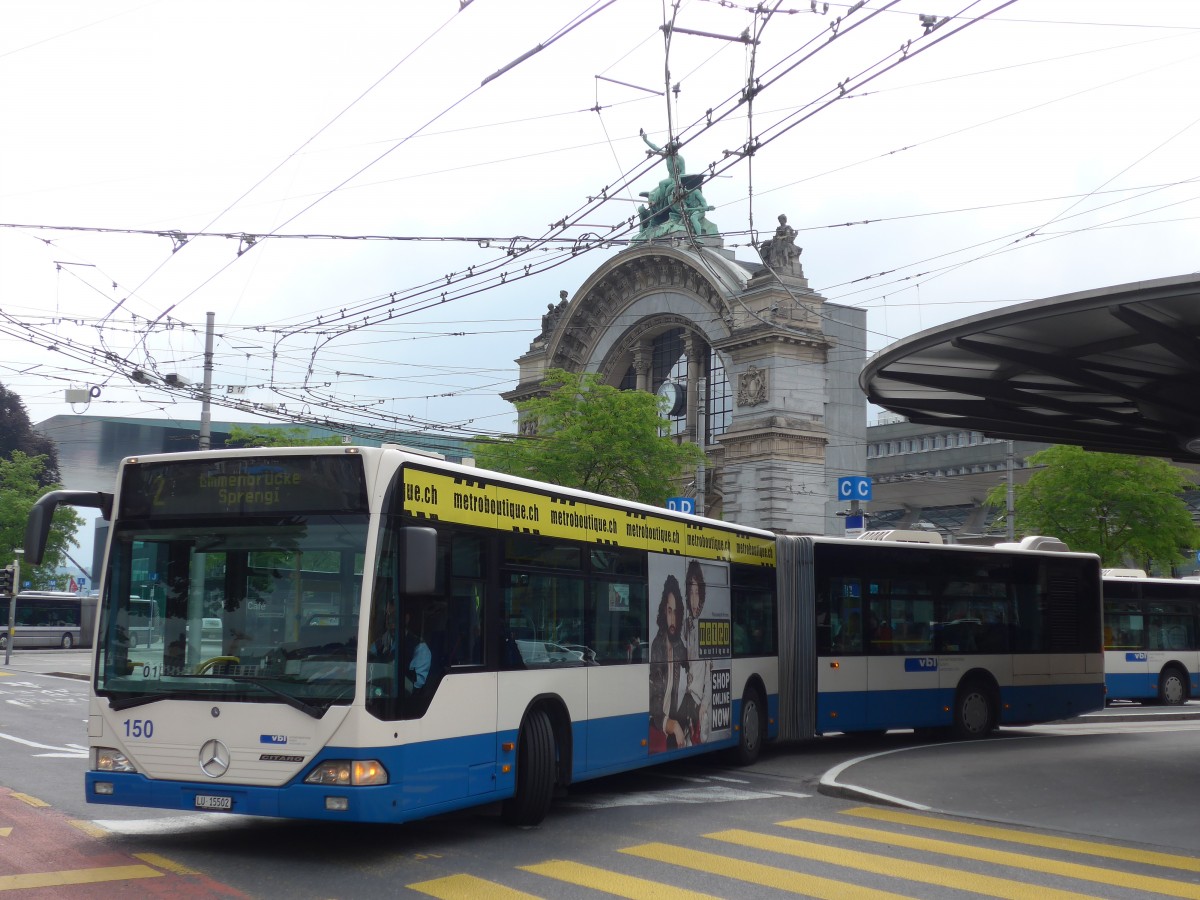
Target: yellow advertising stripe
75,876
1110,877
468,887
1072,845
613,882
167,865
757,873
895,868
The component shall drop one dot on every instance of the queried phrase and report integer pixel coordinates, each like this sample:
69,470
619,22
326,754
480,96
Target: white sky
1070,120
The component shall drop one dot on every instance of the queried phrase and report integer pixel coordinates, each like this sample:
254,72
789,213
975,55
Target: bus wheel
4,641
751,730
66,643
974,711
1172,687
535,772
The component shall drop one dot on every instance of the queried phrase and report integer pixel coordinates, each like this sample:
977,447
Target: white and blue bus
376,635
1150,638
43,619
372,634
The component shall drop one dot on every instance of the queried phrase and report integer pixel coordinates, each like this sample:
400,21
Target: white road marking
714,794
71,751
171,824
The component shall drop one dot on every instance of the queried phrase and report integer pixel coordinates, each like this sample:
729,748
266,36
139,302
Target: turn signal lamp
348,772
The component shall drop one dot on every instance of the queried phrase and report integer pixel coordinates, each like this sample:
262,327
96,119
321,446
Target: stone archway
761,391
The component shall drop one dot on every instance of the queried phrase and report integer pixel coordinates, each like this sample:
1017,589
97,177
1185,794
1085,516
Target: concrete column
641,365
695,348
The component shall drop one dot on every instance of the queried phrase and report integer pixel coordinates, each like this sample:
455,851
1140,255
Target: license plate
208,801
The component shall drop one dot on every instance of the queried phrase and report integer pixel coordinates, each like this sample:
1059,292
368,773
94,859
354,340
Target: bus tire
1172,687
535,772
974,710
4,640
66,643
751,730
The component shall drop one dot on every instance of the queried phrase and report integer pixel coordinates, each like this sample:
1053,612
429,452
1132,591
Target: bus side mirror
420,559
37,527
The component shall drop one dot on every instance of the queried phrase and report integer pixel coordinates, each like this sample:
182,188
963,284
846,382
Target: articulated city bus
1152,652
373,634
42,619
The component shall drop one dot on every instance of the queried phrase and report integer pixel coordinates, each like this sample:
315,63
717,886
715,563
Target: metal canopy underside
1115,369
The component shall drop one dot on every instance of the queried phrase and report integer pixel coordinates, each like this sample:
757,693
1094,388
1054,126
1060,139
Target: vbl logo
921,664
1135,657
272,739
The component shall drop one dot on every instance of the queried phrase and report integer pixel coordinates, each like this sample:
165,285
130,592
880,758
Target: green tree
263,436
20,486
592,436
16,433
1123,508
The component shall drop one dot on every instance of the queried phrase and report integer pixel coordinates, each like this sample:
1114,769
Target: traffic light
6,580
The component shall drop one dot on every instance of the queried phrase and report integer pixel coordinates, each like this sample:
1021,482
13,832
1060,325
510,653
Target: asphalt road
1124,775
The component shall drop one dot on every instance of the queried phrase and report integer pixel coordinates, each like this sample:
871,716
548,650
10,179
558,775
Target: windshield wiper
295,702
115,702
119,703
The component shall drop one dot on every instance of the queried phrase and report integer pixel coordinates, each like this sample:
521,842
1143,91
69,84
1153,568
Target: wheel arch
755,683
983,676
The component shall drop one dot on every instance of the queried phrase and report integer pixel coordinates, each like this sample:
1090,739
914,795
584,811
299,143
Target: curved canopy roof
1115,369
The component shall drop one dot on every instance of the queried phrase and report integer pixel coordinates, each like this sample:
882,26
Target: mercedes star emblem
214,759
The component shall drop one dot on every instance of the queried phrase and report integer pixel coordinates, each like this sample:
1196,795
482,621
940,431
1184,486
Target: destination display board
244,485
497,505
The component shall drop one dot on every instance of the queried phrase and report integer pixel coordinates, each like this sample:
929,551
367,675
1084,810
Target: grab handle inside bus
37,528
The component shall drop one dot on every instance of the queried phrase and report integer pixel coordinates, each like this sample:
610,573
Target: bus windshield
265,609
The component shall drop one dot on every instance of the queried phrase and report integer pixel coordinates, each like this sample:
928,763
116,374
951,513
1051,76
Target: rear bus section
925,636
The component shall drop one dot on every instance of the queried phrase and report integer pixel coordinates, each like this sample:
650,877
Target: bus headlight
110,760
354,772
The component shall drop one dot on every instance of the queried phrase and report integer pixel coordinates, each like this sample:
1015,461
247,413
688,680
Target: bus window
617,631
846,618
544,616
1171,626
754,612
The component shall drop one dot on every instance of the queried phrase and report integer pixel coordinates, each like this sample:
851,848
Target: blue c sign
855,487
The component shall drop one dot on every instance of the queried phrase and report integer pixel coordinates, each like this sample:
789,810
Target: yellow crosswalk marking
1002,858
894,868
6,831
30,800
757,873
613,882
165,864
1091,848
75,876
468,887
90,828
